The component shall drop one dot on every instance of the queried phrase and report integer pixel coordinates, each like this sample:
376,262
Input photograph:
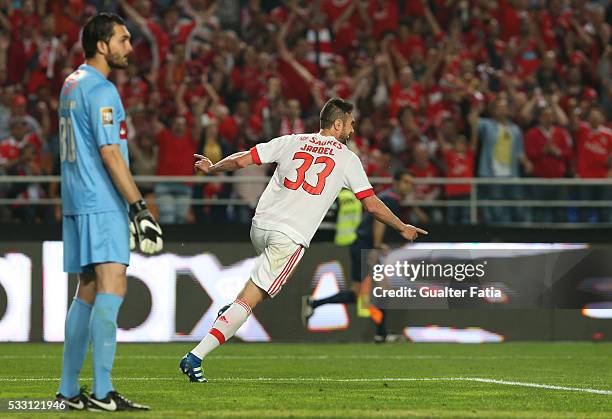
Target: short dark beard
113,61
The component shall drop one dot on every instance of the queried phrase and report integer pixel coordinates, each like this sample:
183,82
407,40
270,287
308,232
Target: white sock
224,328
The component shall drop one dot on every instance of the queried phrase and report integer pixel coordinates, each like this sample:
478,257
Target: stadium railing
475,202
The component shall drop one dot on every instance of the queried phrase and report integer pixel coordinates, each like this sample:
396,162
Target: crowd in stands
443,88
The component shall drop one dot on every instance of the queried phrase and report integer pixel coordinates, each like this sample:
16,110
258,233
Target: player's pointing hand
411,232
203,164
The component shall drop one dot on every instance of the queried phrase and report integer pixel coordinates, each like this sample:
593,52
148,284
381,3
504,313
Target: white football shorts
277,258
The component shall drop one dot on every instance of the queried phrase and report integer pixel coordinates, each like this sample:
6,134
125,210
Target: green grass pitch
341,380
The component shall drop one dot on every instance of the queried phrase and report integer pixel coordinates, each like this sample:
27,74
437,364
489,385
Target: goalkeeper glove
145,232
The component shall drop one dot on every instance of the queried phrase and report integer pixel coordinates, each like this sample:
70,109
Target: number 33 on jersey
311,170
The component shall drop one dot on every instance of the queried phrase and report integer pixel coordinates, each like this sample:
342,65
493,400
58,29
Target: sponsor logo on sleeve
107,116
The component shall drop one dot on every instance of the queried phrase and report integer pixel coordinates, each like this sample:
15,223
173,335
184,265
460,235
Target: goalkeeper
103,212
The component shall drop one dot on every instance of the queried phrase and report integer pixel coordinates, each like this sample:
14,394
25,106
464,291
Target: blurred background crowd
443,88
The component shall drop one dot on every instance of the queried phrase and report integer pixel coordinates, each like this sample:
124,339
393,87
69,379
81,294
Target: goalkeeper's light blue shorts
90,239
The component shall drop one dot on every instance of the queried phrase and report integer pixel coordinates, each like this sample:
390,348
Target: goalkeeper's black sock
346,297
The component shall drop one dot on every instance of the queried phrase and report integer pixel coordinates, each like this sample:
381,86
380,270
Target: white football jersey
311,170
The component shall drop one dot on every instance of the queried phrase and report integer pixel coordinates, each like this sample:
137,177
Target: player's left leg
225,326
111,283
278,257
76,340
229,320
111,288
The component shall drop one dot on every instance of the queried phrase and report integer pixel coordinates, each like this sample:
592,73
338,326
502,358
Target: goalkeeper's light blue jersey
90,116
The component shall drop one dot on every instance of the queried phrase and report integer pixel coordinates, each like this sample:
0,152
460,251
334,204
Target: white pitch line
312,357
535,385
334,357
345,380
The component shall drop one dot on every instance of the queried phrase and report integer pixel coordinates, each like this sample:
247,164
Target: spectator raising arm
141,22
280,39
363,14
582,33
45,120
434,62
134,16
5,23
179,97
201,17
526,113
198,107
286,55
523,159
169,76
473,118
560,114
356,5
5,42
384,77
386,67
215,99
431,20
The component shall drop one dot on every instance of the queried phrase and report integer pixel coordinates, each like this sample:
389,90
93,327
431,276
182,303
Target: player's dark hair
99,28
333,109
398,175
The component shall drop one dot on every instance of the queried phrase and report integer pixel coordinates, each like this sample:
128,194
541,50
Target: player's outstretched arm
230,163
382,213
144,230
